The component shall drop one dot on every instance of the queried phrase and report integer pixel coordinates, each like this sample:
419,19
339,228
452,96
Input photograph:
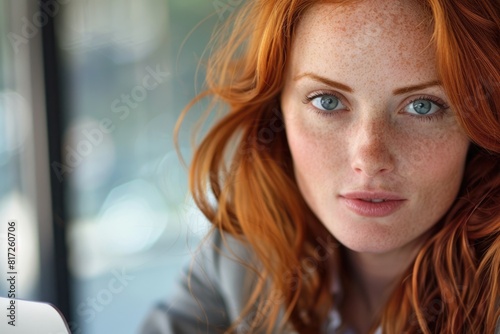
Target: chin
369,239
366,247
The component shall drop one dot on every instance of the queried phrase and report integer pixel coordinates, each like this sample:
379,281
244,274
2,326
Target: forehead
369,36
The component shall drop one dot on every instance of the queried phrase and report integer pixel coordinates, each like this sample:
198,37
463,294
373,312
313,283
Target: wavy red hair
453,286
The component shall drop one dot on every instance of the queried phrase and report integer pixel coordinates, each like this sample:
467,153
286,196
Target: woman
356,174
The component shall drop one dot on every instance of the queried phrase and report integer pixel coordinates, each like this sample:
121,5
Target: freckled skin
374,47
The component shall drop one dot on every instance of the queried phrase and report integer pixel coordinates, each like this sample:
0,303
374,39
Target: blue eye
423,107
327,102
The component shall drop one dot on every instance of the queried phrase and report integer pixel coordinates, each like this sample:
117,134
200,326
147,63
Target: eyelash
311,97
443,107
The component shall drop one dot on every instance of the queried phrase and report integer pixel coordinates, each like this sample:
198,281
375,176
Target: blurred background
90,91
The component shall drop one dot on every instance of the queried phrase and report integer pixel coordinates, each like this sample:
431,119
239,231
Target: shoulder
231,264
213,291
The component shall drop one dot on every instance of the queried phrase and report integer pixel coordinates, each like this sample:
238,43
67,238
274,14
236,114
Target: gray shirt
221,284
216,294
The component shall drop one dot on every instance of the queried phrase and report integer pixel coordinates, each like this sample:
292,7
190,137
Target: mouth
374,196
373,204
373,200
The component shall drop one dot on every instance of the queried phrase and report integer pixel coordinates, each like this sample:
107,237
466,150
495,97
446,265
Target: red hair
453,286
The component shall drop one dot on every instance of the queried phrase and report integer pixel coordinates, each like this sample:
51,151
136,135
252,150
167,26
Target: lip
357,203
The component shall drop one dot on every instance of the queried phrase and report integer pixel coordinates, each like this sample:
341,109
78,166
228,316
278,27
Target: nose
371,148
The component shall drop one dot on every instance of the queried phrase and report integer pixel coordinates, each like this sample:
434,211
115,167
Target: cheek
427,149
437,156
433,168
303,149
317,161
304,145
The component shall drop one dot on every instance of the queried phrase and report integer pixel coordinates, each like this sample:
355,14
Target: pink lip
357,202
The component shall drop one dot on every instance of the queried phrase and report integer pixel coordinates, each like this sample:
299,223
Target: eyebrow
341,86
413,88
326,81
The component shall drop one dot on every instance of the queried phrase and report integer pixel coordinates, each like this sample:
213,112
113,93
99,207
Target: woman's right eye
327,102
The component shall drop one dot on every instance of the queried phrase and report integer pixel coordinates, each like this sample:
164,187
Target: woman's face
378,154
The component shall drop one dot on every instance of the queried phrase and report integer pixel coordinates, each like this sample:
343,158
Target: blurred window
24,185
128,69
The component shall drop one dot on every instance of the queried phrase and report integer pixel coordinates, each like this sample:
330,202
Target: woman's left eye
423,107
327,102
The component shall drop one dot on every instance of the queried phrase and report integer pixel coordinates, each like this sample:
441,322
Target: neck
373,276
